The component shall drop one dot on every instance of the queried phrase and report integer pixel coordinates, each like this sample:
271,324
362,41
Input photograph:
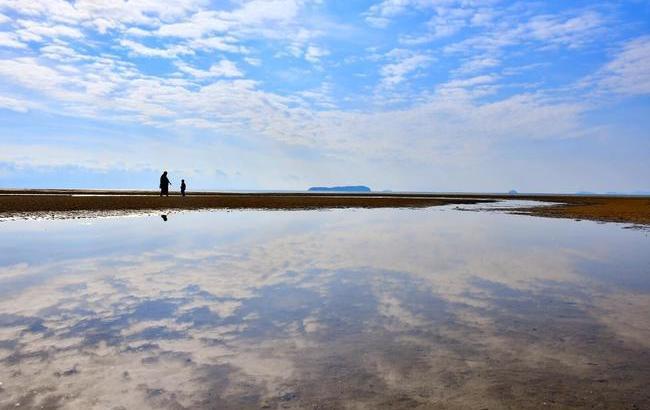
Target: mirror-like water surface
390,308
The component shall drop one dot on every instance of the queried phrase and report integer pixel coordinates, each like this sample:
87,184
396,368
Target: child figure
183,186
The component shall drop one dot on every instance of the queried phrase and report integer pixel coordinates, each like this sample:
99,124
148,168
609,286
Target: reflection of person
183,186
164,217
164,184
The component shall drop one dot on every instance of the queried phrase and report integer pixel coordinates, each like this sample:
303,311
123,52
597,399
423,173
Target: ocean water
347,308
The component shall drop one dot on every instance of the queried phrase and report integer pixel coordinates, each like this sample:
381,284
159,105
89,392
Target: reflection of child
183,187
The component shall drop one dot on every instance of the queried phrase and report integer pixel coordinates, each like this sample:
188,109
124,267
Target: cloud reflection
346,308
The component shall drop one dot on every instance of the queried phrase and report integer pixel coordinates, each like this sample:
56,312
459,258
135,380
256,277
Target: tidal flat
427,308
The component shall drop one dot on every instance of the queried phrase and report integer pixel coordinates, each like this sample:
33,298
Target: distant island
347,188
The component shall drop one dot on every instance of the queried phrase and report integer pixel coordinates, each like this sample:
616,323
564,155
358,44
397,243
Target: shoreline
630,210
85,203
64,203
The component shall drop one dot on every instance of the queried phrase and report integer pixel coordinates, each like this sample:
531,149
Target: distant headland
346,188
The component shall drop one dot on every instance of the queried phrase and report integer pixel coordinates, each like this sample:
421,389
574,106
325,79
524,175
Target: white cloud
138,32
196,123
239,108
379,22
257,11
253,61
169,52
313,54
320,96
14,104
378,15
227,44
29,73
396,72
472,87
224,68
470,82
200,24
73,80
482,17
251,17
629,72
36,31
569,31
450,14
102,15
60,52
477,64
9,40
445,26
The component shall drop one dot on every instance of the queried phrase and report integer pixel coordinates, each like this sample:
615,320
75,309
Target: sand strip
33,203
29,204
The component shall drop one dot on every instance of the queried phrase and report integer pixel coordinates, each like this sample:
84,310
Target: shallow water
388,308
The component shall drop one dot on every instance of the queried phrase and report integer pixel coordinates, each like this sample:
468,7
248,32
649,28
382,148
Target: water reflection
345,308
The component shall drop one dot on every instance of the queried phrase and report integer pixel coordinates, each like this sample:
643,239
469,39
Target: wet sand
607,209
62,203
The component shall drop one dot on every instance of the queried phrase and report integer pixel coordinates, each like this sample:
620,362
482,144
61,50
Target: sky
418,95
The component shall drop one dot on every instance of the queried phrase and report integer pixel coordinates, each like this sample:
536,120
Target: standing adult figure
164,184
183,186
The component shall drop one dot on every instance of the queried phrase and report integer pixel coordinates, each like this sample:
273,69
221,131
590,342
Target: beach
71,203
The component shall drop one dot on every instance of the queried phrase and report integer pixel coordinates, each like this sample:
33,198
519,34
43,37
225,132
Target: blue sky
431,95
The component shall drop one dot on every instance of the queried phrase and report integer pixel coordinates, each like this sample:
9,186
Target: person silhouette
164,217
164,184
183,186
